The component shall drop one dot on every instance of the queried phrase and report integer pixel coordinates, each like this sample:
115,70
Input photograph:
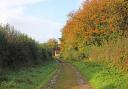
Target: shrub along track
67,77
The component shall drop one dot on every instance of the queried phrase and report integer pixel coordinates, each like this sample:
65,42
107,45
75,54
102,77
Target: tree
52,43
18,50
95,22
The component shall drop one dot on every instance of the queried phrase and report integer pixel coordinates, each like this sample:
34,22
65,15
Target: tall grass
114,53
35,77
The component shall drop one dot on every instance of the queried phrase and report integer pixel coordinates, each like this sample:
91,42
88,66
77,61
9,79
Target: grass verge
31,78
101,76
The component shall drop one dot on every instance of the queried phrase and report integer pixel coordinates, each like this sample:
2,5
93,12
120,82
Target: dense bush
95,24
18,50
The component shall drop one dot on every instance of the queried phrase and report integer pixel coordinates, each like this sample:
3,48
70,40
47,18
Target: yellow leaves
97,18
87,33
52,43
113,30
90,33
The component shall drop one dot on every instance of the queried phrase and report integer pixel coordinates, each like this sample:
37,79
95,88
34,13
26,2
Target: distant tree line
18,50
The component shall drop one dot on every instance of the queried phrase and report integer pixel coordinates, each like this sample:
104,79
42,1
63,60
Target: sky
39,19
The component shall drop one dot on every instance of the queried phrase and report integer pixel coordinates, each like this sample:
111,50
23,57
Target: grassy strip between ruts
101,76
31,78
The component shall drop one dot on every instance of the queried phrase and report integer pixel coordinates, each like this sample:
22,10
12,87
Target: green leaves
18,50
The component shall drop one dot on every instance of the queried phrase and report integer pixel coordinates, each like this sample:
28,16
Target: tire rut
67,77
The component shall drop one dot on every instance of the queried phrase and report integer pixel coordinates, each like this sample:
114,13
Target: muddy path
67,77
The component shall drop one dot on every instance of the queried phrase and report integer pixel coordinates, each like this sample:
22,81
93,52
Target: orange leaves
96,31
104,18
97,19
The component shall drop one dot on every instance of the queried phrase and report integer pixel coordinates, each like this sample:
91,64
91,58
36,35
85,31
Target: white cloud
42,30
12,12
13,8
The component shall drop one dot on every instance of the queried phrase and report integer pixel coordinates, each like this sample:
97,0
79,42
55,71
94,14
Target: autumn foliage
97,18
97,22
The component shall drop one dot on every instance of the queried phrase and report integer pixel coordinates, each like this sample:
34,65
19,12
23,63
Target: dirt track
67,77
